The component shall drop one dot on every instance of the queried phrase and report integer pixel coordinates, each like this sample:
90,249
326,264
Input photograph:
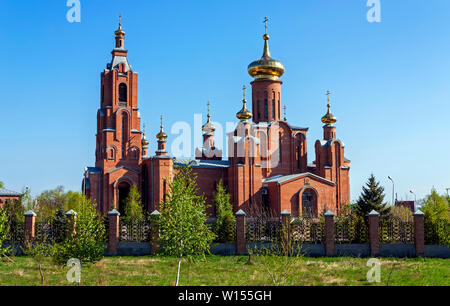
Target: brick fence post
241,244
113,233
154,231
329,233
30,221
286,229
71,221
419,233
374,240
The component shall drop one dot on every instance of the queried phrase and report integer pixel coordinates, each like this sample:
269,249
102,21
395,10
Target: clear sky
389,80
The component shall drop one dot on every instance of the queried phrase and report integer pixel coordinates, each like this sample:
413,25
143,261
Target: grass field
230,270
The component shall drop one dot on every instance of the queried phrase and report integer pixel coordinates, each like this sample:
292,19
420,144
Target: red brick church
266,165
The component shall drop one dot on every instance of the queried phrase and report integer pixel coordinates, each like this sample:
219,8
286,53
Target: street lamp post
415,199
393,189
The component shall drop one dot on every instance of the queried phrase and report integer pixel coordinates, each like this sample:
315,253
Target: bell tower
266,87
119,143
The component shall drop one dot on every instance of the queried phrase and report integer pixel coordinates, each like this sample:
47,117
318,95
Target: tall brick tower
119,147
266,87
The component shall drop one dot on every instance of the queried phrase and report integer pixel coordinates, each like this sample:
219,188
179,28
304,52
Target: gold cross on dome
120,19
284,108
265,23
243,89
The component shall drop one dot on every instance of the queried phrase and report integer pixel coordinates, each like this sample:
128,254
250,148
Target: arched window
266,107
266,111
123,93
273,106
279,150
124,133
308,203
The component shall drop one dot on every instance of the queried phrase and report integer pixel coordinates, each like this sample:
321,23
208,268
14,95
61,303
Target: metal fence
307,230
393,229
131,230
263,229
350,229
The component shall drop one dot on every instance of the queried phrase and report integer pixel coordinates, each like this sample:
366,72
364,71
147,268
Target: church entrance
308,203
123,190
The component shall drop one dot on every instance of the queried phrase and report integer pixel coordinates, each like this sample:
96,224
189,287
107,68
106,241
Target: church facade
266,165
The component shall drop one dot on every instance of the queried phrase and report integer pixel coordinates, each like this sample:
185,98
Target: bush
88,242
403,213
4,230
437,219
133,208
225,226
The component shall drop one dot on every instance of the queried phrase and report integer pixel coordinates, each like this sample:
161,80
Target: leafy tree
4,230
27,200
371,198
404,213
15,212
88,242
1,184
436,209
59,225
38,251
133,207
182,221
49,201
225,226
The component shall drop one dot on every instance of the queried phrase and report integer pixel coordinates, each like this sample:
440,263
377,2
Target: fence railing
394,230
131,230
263,229
350,229
307,230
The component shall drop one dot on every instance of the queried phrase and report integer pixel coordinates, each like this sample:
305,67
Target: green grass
229,270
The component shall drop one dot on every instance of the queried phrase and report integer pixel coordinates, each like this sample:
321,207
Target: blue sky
389,80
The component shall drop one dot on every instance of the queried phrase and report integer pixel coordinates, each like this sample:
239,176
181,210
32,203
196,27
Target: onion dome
144,141
119,32
244,114
329,118
266,67
208,127
161,135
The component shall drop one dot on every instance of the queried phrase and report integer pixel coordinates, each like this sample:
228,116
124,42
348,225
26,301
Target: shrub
403,213
437,219
88,242
4,230
133,208
225,226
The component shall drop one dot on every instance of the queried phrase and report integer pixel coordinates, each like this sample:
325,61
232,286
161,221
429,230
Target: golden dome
329,118
244,114
119,32
208,127
266,67
144,141
161,135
